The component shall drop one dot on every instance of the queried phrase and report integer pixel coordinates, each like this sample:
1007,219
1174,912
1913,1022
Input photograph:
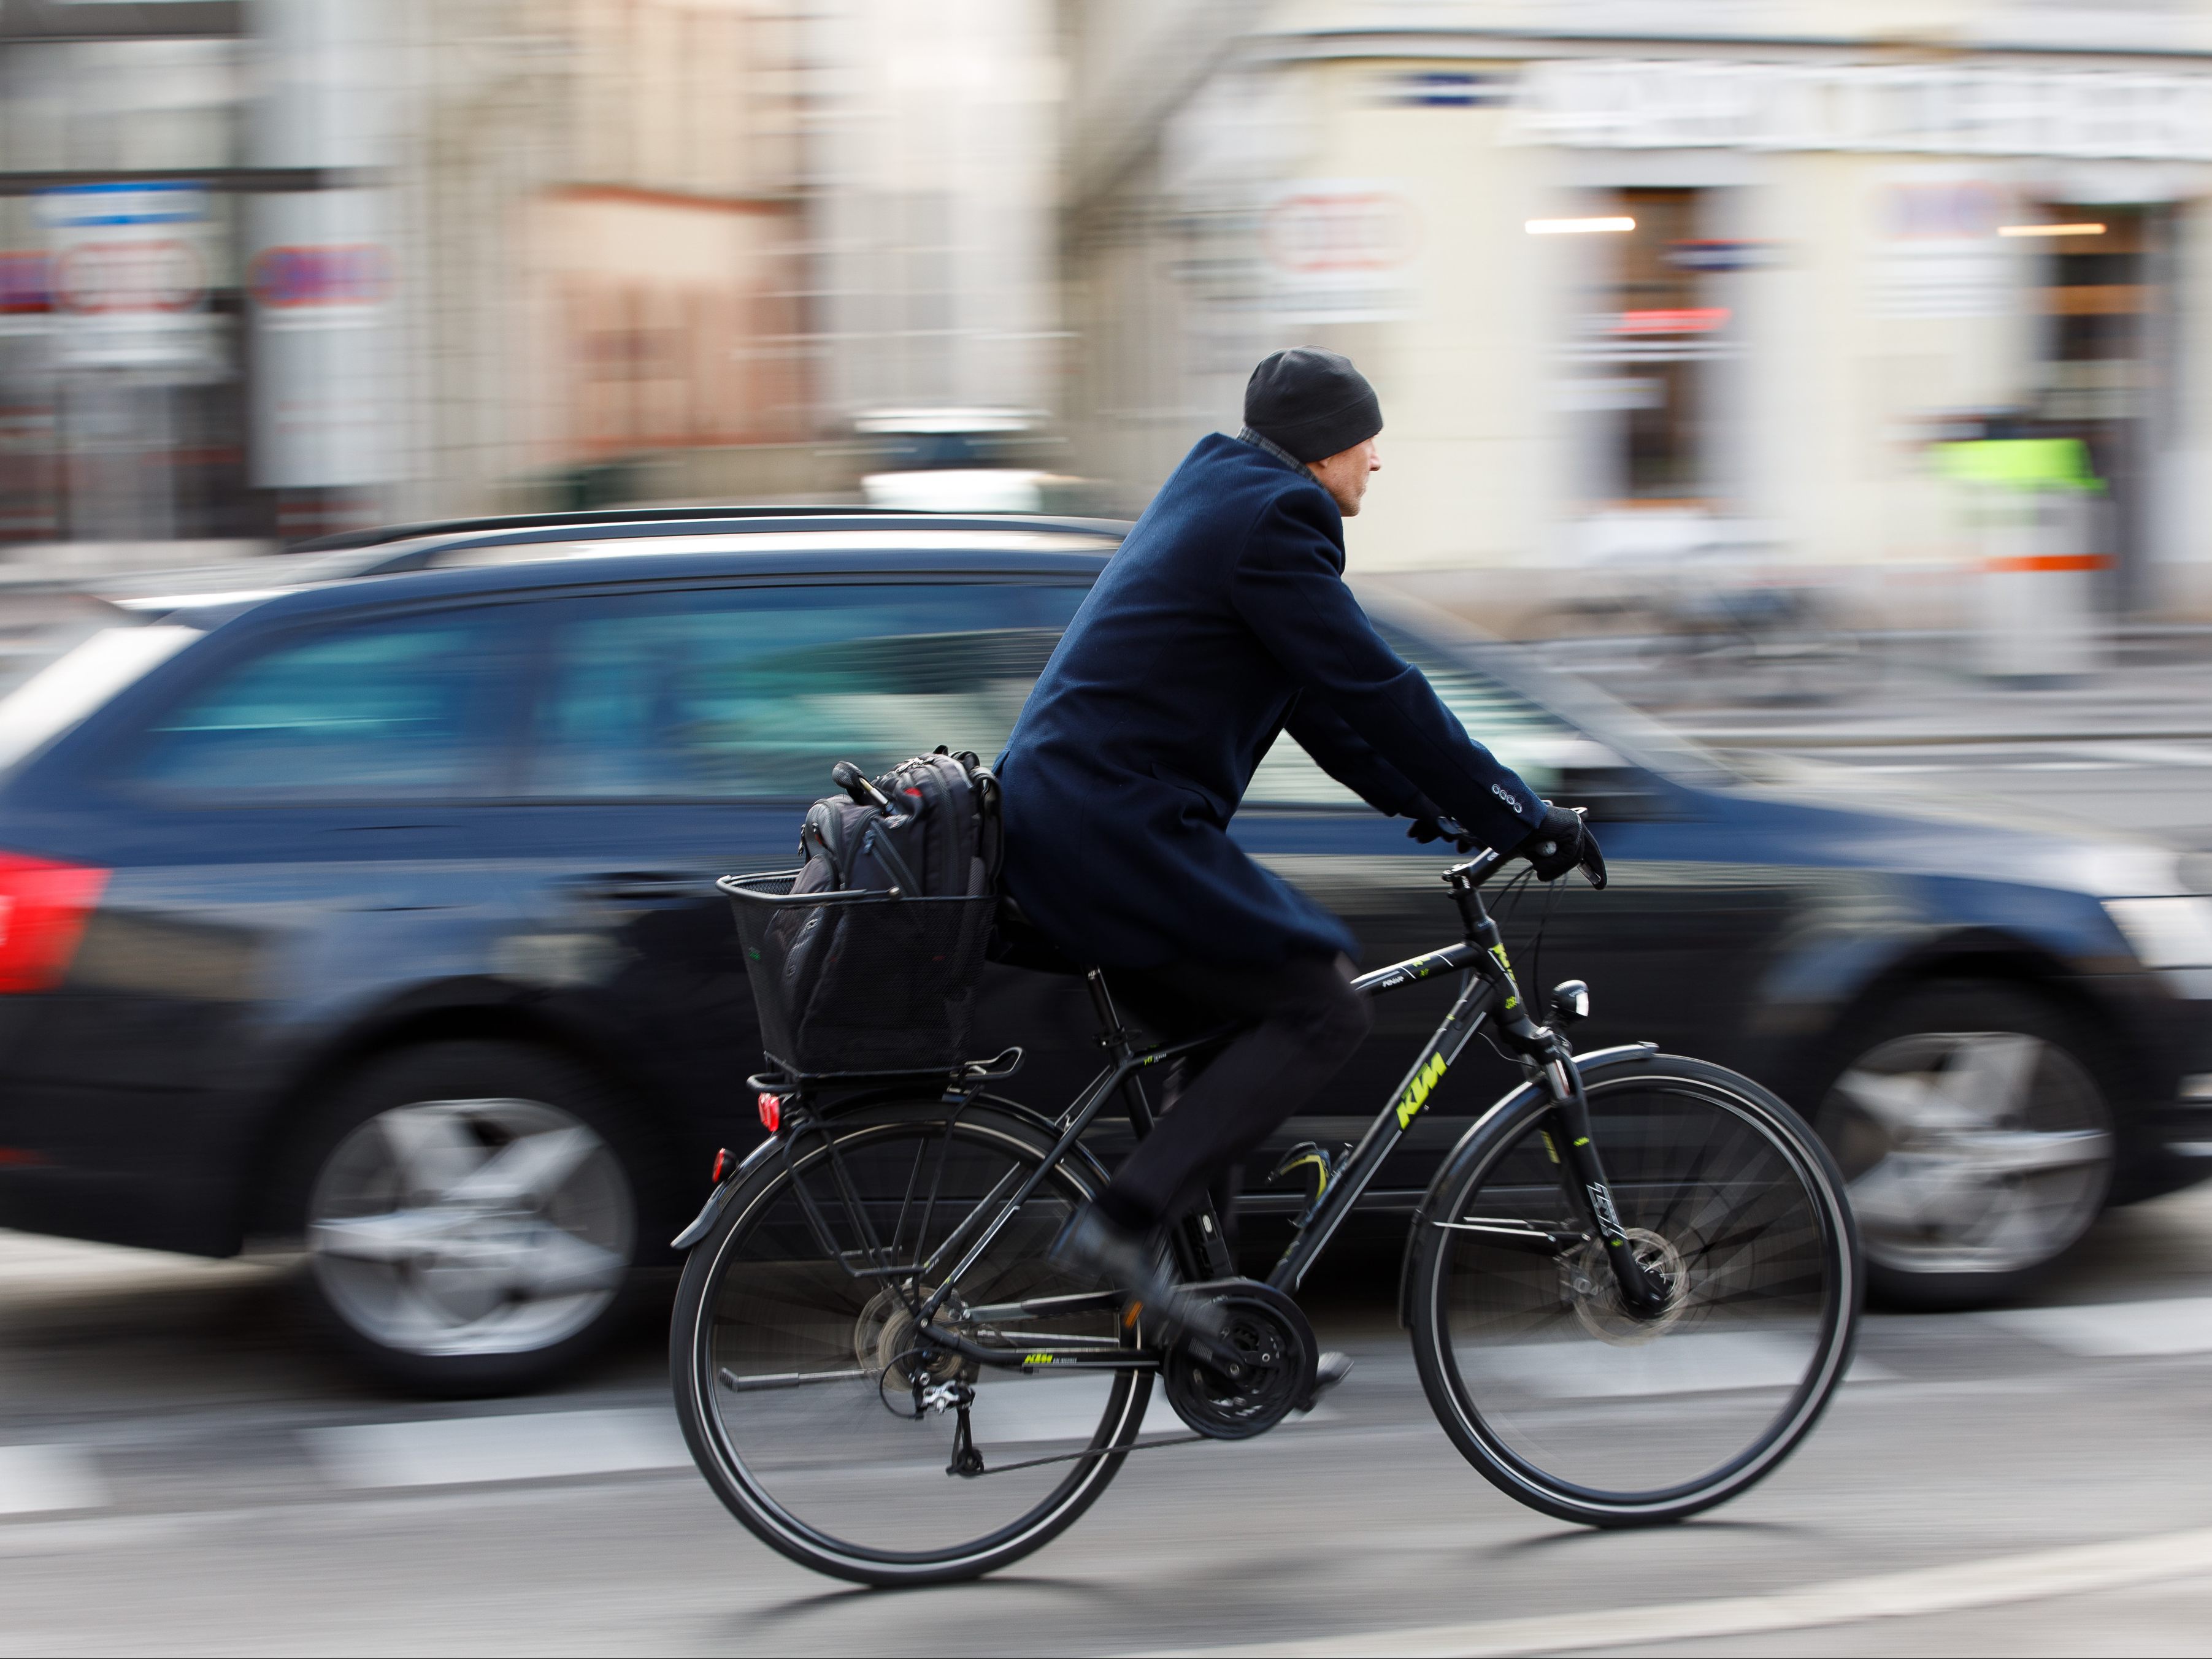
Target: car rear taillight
43,908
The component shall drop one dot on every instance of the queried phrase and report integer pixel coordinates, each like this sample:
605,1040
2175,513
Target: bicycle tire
735,1462
1525,1362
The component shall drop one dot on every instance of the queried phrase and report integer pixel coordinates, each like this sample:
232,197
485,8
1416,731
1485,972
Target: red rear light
43,908
771,1112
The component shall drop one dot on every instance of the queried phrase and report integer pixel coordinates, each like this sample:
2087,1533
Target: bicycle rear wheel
1547,1385
794,1354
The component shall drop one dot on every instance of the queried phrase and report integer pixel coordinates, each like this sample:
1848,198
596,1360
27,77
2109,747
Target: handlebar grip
854,782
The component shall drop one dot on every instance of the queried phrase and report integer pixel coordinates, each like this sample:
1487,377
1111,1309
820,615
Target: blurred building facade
1801,244
271,268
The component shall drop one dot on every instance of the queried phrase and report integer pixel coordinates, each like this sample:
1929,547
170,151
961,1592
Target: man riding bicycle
1223,622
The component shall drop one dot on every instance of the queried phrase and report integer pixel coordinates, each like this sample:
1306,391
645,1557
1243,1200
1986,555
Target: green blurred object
2030,464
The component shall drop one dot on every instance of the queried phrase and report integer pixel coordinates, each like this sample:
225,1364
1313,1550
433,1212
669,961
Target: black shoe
1093,1246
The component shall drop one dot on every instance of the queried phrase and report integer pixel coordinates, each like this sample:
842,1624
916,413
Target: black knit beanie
1312,402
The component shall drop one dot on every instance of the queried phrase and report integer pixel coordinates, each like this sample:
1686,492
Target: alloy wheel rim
460,1228
1969,1152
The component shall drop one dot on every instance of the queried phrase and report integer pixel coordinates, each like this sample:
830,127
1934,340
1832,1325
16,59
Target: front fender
1625,1054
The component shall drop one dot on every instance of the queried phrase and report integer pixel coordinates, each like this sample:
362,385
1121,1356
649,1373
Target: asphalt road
180,1471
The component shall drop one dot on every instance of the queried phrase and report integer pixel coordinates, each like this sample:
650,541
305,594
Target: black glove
1560,843
1425,831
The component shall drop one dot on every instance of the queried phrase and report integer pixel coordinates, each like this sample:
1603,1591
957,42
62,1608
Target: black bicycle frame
1488,993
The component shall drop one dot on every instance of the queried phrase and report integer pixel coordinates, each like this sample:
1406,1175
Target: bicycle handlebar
1487,860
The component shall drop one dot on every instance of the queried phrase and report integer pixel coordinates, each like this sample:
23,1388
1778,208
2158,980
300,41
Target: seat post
1114,1036
1111,1034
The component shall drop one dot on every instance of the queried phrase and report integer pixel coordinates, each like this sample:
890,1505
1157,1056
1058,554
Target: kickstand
966,1460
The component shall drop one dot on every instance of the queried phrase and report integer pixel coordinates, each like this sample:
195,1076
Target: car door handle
644,887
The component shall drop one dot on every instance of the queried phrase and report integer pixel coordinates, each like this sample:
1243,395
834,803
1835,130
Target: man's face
1345,474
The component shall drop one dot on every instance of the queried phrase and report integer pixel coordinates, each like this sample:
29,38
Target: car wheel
1975,1139
471,1215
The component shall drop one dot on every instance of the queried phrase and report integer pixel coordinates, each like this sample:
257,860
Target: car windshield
1440,637
1543,725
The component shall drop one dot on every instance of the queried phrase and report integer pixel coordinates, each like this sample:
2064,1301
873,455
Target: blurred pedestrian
1223,622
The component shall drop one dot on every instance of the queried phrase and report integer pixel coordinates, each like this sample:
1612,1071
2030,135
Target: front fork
1552,1065
1639,1292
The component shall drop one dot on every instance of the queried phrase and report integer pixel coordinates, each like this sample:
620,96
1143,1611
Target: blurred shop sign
1935,251
288,278
1711,256
1339,250
26,289
127,277
322,280
1929,108
1447,89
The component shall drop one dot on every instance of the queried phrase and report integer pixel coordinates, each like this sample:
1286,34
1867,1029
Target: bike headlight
2165,932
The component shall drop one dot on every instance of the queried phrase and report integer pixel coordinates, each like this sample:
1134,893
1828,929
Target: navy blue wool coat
1222,621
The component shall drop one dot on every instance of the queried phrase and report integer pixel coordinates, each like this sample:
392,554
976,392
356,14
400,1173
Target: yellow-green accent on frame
1417,1092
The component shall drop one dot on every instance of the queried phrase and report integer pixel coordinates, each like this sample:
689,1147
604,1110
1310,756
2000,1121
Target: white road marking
530,1446
34,1478
2152,754
2076,1570
1706,1362
2115,1330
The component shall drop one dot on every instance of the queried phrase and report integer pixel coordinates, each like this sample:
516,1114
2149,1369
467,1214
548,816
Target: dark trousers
1302,1020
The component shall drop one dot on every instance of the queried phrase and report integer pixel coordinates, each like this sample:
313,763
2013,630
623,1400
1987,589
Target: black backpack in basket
888,982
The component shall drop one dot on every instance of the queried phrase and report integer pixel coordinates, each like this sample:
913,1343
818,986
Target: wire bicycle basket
853,982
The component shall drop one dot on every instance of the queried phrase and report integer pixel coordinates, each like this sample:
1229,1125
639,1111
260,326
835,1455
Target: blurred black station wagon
372,909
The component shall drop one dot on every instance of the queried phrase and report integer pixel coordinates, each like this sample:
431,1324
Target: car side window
1533,741
386,710
755,693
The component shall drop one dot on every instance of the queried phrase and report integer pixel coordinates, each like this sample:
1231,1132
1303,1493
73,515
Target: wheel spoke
528,1170
432,1144
1989,1076
561,1264
2026,1152
396,1236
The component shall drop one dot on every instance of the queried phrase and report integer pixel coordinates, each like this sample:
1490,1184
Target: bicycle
882,1376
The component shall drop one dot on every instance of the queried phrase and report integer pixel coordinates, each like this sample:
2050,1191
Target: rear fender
1050,1129
1589,1065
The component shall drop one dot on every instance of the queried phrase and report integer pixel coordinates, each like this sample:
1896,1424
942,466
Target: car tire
474,1217
1975,1139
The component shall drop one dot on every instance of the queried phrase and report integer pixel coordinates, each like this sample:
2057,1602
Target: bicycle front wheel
815,1408
1558,1394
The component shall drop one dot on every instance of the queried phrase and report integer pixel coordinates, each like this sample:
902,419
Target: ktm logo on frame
1418,1092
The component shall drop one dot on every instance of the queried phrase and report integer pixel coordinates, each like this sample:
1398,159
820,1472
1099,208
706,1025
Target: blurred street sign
1943,108
127,277
1339,250
1935,251
322,279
